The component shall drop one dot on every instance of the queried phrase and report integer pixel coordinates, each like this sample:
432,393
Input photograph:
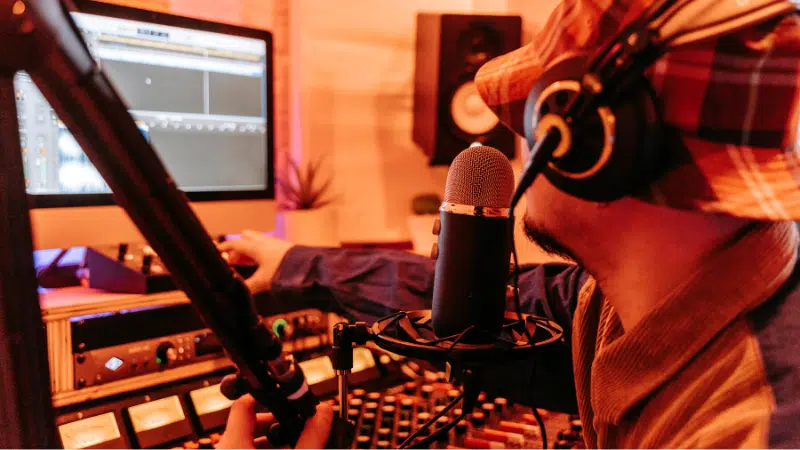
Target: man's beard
548,242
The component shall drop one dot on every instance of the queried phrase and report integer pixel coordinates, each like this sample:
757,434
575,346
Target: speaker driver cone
469,112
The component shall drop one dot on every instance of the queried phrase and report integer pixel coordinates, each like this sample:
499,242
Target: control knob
166,353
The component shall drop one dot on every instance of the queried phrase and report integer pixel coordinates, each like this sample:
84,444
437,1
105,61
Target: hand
265,251
243,423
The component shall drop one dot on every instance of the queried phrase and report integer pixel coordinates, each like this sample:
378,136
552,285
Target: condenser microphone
472,264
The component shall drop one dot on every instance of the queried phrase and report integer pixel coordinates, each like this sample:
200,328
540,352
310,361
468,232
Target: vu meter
159,421
156,414
91,432
209,399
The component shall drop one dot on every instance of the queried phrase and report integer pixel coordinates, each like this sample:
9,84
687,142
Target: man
681,315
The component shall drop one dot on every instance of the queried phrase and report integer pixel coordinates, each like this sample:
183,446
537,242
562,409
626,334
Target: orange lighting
18,8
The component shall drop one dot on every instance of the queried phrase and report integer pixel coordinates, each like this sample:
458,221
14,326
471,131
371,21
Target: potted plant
306,215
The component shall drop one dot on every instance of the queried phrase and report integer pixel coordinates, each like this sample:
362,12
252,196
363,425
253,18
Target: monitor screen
201,98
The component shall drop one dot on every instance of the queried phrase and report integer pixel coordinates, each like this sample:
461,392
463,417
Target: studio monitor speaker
449,114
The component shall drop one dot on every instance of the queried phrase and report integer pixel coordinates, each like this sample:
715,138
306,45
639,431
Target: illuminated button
205,443
478,419
441,422
389,400
369,418
371,406
363,441
427,390
404,425
453,393
406,403
359,392
352,413
374,396
383,444
356,403
410,387
500,405
423,417
113,363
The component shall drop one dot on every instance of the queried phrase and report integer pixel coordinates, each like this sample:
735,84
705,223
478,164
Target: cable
430,422
541,426
517,302
427,441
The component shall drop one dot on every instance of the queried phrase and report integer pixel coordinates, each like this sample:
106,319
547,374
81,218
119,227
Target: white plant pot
312,227
420,228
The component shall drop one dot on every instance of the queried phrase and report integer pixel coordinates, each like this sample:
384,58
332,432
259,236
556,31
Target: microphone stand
346,336
26,408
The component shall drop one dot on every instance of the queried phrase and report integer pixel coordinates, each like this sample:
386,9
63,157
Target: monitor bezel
163,18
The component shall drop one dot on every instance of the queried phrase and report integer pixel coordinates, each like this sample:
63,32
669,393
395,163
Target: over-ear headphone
593,122
605,153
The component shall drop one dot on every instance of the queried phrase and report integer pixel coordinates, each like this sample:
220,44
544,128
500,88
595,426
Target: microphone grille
480,176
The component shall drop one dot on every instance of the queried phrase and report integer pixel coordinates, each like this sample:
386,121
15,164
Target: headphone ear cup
616,149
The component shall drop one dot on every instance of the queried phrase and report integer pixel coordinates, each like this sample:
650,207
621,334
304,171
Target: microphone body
471,274
473,261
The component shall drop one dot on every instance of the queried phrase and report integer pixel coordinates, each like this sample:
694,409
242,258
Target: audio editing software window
198,97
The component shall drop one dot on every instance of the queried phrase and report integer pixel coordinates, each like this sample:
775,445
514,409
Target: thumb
317,428
258,282
241,424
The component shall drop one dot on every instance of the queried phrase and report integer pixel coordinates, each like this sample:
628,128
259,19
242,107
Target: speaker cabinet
449,114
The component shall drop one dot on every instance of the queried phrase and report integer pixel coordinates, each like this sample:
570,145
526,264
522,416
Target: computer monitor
201,93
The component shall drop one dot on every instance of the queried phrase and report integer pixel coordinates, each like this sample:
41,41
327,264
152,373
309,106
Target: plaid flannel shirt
730,102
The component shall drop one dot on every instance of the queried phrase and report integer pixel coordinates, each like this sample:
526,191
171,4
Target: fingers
317,428
258,282
263,421
245,246
241,424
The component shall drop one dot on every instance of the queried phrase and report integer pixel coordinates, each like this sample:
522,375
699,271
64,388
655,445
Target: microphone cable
409,440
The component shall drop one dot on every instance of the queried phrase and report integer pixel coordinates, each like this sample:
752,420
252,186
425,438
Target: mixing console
386,419
146,374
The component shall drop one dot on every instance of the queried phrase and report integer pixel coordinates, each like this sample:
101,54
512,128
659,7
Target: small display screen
156,414
318,369
209,399
89,432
